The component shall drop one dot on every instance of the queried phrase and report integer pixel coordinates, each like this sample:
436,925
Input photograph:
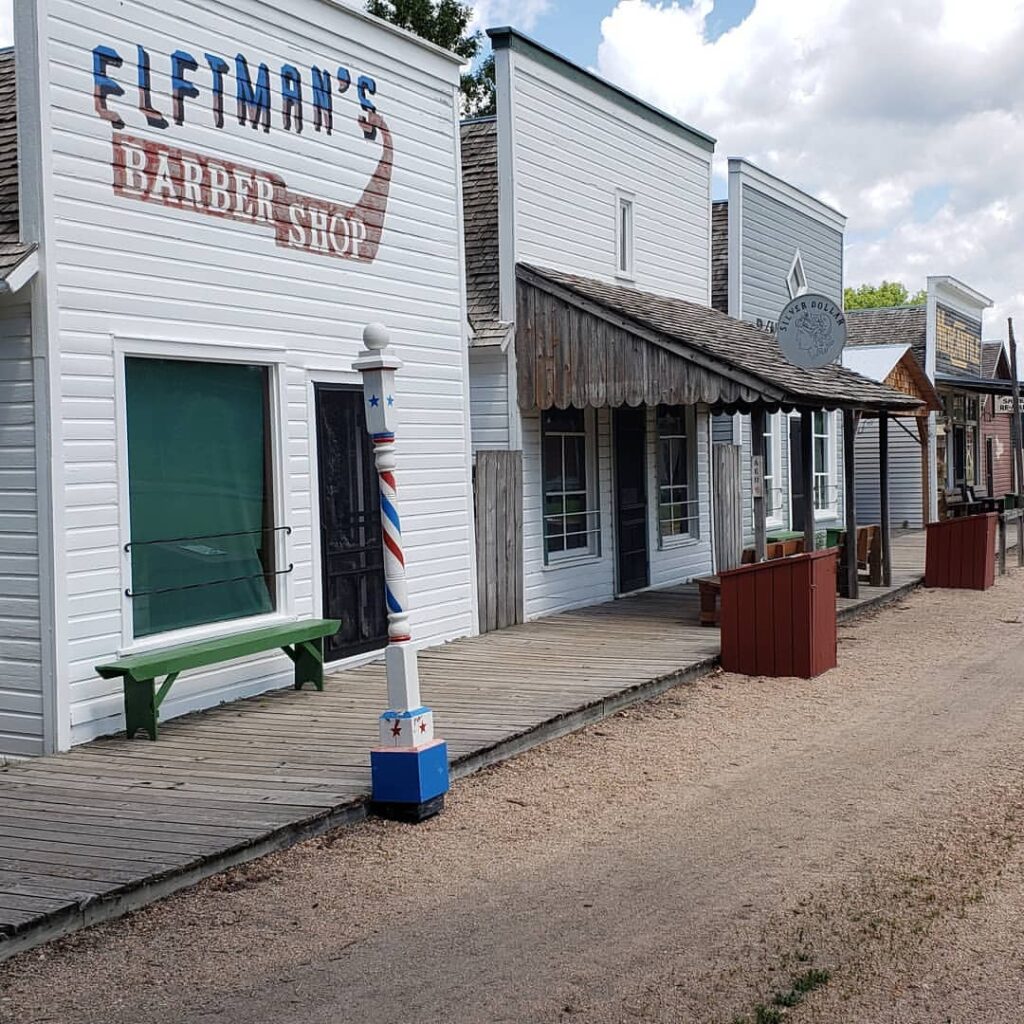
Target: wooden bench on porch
303,642
710,587
869,553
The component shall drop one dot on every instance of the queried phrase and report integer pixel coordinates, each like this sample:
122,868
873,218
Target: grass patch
800,986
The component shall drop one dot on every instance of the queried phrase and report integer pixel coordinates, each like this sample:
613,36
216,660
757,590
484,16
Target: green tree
878,296
444,22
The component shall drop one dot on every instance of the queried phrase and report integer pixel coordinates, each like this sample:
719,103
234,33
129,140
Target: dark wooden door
630,429
351,548
796,475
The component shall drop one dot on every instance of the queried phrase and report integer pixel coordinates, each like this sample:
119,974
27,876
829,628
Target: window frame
671,540
831,507
625,240
773,443
796,272
592,512
273,358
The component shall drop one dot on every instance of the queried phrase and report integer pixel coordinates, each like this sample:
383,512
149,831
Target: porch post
883,497
757,458
410,767
807,460
849,582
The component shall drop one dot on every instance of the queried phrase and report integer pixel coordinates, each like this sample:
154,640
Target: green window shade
199,493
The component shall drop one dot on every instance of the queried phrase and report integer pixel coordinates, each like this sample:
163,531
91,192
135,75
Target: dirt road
848,845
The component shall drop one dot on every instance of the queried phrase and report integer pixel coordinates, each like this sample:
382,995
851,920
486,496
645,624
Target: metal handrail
208,583
208,536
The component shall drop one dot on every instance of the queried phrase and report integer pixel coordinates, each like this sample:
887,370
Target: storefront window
963,411
823,488
676,507
200,496
772,504
571,525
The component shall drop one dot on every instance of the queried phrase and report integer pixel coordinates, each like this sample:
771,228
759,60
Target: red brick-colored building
996,411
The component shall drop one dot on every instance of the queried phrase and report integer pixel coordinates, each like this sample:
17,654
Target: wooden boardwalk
115,824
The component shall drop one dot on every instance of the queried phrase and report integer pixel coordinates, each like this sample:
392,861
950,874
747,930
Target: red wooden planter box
961,553
779,617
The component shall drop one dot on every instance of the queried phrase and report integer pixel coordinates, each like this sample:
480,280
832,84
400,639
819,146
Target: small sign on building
811,331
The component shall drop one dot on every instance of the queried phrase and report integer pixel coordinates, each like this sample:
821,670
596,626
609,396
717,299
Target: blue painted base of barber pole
409,783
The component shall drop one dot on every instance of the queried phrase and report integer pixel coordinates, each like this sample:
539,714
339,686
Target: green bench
303,642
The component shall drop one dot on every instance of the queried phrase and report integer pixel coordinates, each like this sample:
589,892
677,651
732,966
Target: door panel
796,474
351,547
630,428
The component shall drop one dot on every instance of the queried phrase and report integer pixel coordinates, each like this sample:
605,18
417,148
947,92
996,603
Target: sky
907,115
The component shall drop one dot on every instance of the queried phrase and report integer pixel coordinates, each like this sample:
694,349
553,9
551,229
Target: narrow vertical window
571,525
823,484
770,429
624,232
676,495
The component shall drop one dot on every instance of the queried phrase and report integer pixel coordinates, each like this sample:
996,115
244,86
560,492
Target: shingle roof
720,256
480,217
12,251
733,343
990,353
892,325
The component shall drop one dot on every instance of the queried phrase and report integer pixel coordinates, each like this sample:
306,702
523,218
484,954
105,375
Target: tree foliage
444,22
880,296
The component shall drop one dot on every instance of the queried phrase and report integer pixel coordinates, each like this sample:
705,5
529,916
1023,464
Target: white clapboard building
772,242
201,208
596,360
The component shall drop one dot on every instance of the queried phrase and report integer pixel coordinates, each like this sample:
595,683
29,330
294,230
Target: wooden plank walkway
114,824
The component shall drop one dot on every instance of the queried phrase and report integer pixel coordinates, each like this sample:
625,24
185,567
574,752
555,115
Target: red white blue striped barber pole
410,767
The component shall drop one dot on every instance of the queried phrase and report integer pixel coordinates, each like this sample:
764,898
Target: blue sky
573,27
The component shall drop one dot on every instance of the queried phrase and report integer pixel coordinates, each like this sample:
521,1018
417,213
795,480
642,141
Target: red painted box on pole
779,617
961,553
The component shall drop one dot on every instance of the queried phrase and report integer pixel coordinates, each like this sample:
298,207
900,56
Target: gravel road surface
704,857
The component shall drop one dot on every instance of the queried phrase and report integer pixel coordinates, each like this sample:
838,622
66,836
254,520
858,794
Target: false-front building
203,206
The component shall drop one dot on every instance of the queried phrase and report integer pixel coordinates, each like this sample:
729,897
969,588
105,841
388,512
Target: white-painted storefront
593,182
223,197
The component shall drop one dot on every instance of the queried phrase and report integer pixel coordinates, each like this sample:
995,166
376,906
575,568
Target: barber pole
410,767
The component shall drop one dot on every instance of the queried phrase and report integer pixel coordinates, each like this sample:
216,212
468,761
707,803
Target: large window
677,507
824,488
200,496
963,415
571,526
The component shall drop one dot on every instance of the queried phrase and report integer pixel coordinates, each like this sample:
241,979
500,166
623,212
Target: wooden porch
115,824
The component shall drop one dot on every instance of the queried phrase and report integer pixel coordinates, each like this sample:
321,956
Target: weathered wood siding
488,388
905,503
498,484
572,148
153,277
21,695
728,505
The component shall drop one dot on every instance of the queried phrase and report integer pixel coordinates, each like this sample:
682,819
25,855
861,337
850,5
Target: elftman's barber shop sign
238,94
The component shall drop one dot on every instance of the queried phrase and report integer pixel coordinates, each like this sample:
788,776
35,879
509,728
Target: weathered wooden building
996,417
211,202
944,337
596,362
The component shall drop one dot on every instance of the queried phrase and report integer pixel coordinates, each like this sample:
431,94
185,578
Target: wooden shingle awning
583,342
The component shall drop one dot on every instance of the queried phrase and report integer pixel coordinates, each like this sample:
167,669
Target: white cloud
873,105
6,22
523,14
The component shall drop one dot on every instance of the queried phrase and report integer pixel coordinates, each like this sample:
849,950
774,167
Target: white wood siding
488,379
143,274
679,559
905,501
572,148
771,228
21,697
586,581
